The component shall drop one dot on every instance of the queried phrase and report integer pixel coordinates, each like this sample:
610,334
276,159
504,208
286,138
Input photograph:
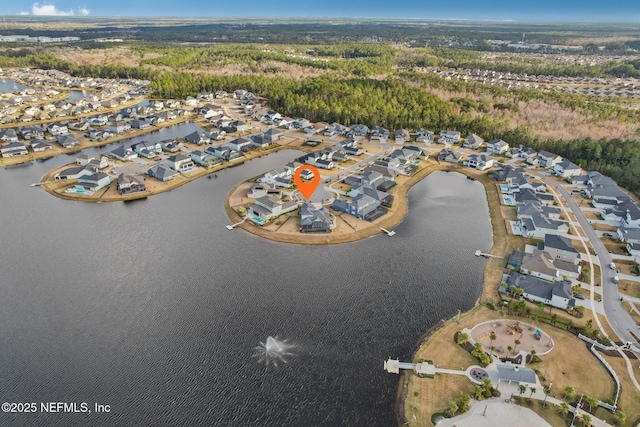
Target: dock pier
231,227
480,253
389,233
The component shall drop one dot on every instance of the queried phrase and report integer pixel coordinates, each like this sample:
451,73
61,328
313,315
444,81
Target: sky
536,10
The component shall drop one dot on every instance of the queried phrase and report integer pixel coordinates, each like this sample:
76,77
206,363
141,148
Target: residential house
334,129
119,126
350,147
13,149
203,159
180,163
148,149
241,144
362,206
273,135
198,138
257,191
472,141
528,194
633,249
28,132
538,226
379,133
260,141
124,154
314,219
449,137
479,162
566,169
557,294
540,265
78,125
8,135
423,135
560,247
629,235
38,145
57,129
497,146
449,155
171,145
67,141
162,173
130,184
88,185
140,124
269,207
358,131
548,160
401,136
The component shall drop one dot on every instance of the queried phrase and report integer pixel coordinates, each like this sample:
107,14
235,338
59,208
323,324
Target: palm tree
492,337
509,348
462,338
478,392
564,409
522,389
453,407
569,392
586,420
533,390
532,353
517,343
547,392
591,401
464,401
621,416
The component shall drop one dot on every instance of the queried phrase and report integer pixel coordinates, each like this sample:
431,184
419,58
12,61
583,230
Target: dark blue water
154,307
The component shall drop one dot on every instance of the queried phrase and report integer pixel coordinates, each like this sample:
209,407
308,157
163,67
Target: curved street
621,322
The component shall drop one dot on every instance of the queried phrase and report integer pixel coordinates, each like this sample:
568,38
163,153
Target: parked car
607,234
578,296
616,279
612,266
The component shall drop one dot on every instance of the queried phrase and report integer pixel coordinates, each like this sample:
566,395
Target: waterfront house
147,149
259,141
292,167
162,173
538,226
257,191
362,206
13,149
539,265
38,145
67,141
273,135
171,145
119,126
87,185
472,141
314,219
241,144
556,294
71,173
130,184
479,162
205,160
180,163
269,207
449,155
198,138
140,124
124,154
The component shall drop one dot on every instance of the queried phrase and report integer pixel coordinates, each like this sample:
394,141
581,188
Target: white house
497,146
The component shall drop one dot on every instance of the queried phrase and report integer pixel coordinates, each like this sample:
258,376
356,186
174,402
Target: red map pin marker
307,188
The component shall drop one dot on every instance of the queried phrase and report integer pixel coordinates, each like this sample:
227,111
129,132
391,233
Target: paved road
618,318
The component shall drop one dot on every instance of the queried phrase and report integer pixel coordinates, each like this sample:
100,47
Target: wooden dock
389,233
480,253
232,226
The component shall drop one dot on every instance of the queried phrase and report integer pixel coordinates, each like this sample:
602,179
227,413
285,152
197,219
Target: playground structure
506,333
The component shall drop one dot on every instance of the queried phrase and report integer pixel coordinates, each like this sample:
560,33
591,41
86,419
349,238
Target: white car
612,266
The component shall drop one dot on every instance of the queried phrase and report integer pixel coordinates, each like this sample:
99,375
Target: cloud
24,12
49,10
84,11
